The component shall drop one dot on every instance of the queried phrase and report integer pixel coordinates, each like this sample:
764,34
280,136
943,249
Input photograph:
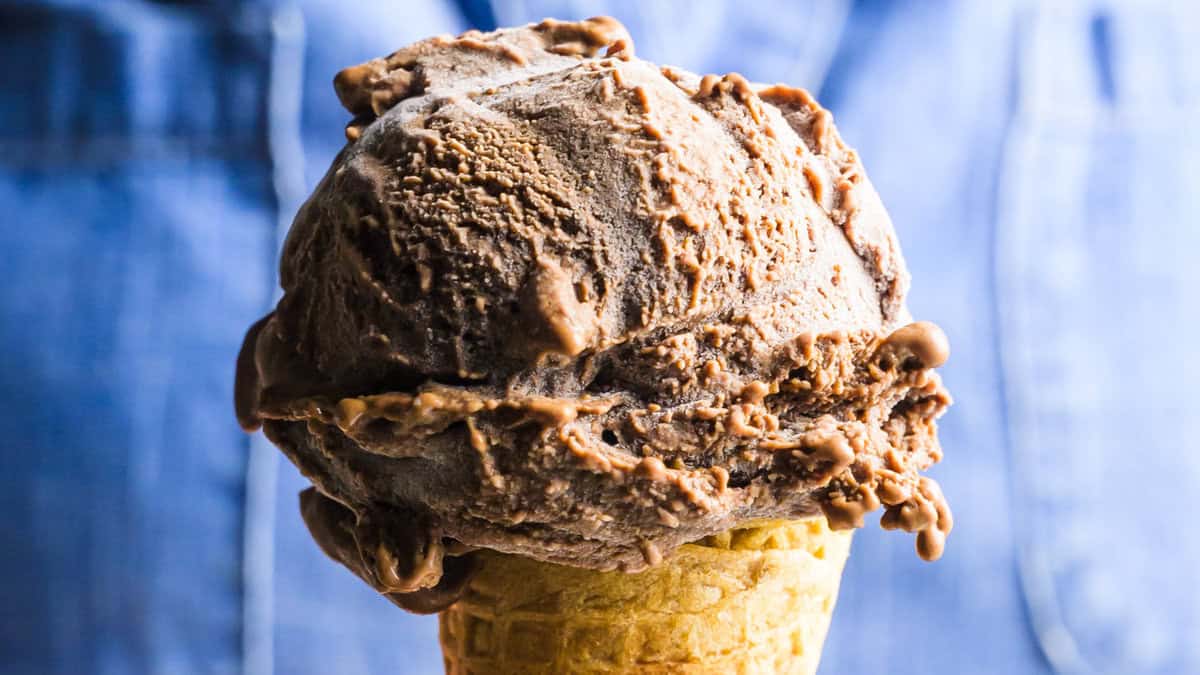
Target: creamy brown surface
558,301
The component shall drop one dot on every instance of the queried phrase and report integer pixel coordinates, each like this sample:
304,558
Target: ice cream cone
757,599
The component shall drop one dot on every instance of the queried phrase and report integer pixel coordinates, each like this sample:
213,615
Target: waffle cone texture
756,599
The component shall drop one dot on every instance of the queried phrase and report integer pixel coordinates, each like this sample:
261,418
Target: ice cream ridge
555,301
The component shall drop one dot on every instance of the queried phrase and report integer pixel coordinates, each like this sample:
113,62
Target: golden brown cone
757,599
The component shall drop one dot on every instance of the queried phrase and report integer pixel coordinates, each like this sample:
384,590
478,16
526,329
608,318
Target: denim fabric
1040,161
1096,284
137,238
149,156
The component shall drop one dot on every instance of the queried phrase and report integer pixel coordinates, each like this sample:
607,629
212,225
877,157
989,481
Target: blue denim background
1041,162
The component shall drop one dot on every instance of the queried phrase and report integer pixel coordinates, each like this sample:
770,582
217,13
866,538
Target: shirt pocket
1097,283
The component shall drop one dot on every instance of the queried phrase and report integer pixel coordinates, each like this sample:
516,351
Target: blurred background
1041,162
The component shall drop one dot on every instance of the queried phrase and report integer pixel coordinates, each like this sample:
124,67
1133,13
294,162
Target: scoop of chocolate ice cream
555,300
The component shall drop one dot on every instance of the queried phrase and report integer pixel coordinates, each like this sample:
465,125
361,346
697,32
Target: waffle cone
757,599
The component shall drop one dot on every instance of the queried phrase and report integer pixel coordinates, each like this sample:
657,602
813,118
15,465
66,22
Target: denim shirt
1040,161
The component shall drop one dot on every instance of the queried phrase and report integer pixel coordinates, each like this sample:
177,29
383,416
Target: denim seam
285,153
1034,113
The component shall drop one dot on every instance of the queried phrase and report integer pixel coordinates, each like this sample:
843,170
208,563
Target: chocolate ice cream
558,301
